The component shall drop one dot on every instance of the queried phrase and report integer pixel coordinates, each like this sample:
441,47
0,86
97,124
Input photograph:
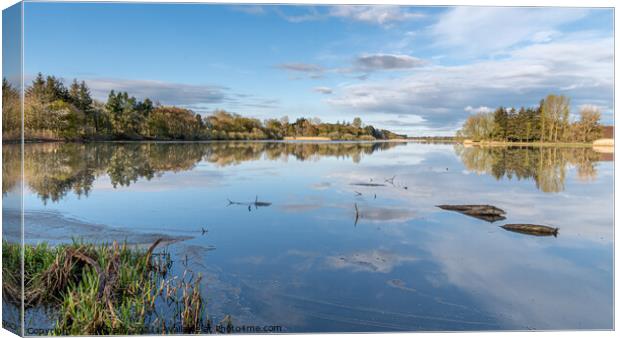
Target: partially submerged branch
532,229
484,212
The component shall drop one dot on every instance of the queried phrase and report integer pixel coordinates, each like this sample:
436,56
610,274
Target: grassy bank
500,143
526,144
104,289
306,138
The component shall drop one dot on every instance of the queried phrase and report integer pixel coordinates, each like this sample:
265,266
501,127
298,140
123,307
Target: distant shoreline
529,144
285,140
602,144
314,139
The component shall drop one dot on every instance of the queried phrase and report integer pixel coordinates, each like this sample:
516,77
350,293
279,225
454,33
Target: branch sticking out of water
254,204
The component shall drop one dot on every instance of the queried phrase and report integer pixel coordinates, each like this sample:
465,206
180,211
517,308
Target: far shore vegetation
53,112
547,124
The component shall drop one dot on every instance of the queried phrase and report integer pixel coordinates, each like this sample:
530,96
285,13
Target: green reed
105,289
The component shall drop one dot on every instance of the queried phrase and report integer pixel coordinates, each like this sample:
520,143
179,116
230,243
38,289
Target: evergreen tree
55,90
84,98
37,89
74,93
500,116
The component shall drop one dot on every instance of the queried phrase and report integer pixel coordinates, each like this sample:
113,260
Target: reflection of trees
545,165
11,169
53,169
236,152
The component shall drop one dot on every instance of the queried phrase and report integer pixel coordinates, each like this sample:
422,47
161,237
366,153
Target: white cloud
400,123
480,31
310,14
380,15
481,109
301,67
310,70
383,15
200,98
545,36
365,63
323,90
439,93
166,92
371,62
249,9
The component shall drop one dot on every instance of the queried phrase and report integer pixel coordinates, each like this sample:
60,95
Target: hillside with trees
549,122
54,112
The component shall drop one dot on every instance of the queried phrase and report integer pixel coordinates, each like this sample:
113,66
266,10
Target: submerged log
484,212
532,229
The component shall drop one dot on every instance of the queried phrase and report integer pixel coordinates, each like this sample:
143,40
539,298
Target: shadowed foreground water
319,237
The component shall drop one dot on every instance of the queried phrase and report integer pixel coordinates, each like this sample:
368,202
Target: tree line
548,122
53,111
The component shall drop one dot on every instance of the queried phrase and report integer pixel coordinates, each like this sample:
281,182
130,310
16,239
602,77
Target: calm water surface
310,262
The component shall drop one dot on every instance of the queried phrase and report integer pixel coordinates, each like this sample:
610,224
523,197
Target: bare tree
357,122
588,126
478,127
555,111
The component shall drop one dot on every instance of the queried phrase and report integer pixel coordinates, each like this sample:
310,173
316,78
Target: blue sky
418,70
11,44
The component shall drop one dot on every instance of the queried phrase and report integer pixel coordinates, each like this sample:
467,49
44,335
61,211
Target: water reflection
54,169
301,262
546,166
11,169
